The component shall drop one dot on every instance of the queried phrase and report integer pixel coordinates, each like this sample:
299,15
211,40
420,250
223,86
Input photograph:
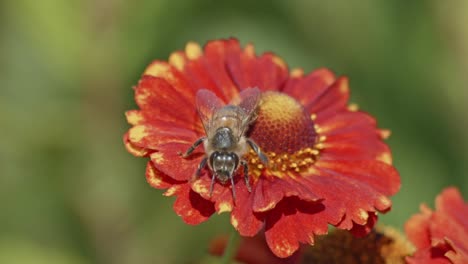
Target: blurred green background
70,193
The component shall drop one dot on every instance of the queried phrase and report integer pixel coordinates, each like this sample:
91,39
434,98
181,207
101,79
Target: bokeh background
70,193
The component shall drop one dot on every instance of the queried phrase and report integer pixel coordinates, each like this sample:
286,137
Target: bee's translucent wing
207,104
249,100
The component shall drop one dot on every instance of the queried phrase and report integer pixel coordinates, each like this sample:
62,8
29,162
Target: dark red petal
307,89
363,230
251,250
428,256
192,207
291,222
169,161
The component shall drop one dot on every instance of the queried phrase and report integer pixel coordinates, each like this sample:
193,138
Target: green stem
231,247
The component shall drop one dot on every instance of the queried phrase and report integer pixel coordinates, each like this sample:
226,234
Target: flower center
285,132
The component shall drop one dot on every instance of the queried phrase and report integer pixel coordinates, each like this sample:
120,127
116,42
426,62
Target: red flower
327,162
440,236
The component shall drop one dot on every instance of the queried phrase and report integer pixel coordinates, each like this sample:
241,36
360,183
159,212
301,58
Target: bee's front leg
258,151
200,167
193,147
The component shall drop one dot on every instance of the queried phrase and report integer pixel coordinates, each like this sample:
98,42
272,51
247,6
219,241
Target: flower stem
231,247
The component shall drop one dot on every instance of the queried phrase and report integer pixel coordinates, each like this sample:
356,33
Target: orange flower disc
286,133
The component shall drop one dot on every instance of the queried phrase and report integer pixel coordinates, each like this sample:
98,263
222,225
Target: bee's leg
246,174
263,157
212,183
193,147
201,166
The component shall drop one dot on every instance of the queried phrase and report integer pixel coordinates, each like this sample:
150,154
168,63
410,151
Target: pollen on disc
282,125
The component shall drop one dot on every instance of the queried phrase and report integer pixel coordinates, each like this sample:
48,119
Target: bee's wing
249,100
207,104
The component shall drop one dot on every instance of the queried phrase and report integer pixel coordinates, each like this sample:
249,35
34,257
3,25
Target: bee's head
224,164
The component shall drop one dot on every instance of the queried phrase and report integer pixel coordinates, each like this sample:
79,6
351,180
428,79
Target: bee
225,142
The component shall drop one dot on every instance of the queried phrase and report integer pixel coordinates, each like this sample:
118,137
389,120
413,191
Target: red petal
267,72
215,64
169,161
345,122
150,137
306,90
134,150
163,103
269,191
157,179
353,136
222,193
206,70
440,234
346,200
451,202
332,101
428,256
251,250
173,76
192,207
291,222
272,72
363,230
242,217
417,228
380,176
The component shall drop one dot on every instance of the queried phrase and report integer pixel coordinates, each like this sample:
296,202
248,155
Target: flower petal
332,101
441,235
157,179
267,72
149,137
307,89
163,103
192,207
169,161
271,190
379,175
291,222
134,150
247,222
